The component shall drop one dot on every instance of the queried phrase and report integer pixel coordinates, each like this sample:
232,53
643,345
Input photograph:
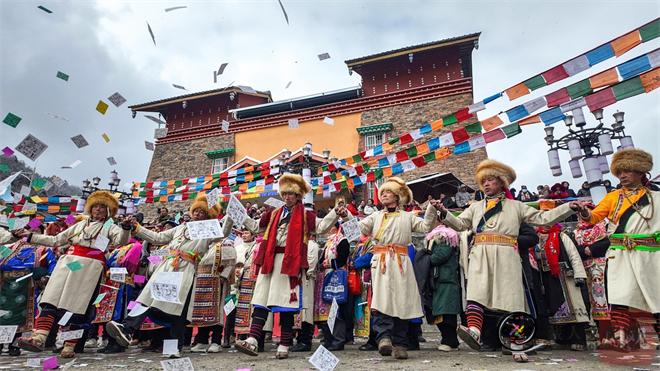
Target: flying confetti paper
12,120
102,107
73,165
178,86
175,8
225,126
4,168
106,137
45,9
62,75
79,141
149,145
222,68
284,11
117,99
153,38
31,147
111,161
288,84
328,121
160,133
58,117
294,124
7,152
324,56
155,119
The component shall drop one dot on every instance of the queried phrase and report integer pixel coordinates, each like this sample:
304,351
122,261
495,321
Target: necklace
635,206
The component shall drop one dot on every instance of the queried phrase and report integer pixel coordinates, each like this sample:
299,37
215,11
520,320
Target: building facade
400,90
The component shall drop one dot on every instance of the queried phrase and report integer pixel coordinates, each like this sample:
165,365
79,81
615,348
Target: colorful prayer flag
511,130
494,135
557,97
650,80
650,31
634,67
628,88
626,42
535,82
605,78
516,113
551,116
579,89
555,74
600,54
517,91
491,123
600,99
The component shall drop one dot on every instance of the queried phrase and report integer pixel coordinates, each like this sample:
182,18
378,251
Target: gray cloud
105,47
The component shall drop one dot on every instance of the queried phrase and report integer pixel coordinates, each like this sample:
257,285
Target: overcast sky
105,48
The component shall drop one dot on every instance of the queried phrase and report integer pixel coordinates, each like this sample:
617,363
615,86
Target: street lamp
591,145
114,180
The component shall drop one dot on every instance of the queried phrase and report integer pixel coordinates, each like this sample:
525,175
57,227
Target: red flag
406,138
376,200
401,156
460,135
463,114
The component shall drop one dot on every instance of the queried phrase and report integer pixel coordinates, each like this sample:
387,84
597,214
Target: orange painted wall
341,138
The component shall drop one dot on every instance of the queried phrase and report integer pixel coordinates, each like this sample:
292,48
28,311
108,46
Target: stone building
400,90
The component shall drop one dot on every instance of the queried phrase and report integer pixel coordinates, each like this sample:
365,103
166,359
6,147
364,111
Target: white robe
494,275
73,290
395,292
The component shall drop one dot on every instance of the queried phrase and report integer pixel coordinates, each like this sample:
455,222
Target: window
220,164
370,187
372,140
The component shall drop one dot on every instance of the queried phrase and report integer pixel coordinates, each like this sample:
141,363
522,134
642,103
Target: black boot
301,347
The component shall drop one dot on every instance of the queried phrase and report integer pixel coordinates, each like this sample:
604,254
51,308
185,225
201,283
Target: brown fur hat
397,186
631,160
293,183
201,202
104,198
492,168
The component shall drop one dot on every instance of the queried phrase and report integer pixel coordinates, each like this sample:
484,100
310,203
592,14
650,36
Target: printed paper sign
34,362
149,145
351,230
332,315
50,363
70,335
274,202
138,278
7,334
236,211
166,286
180,364
161,252
31,147
118,274
170,346
155,259
212,197
12,120
229,307
18,223
204,229
65,318
112,161
323,359
101,242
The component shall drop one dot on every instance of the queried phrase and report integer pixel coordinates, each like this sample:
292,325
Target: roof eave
160,104
352,63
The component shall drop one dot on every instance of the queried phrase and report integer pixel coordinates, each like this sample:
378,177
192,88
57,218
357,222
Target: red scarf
552,248
295,251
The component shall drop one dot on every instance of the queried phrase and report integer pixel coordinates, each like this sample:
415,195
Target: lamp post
591,145
307,172
89,187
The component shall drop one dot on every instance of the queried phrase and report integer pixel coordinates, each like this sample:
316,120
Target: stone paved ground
352,359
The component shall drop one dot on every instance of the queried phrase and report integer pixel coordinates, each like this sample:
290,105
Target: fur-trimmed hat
104,198
492,168
293,183
397,186
631,160
201,202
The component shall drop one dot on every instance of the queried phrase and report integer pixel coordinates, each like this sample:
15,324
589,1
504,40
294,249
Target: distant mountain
15,165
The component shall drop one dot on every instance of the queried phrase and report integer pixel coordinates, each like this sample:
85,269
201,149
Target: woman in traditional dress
74,284
184,255
494,278
563,278
633,258
393,279
215,274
